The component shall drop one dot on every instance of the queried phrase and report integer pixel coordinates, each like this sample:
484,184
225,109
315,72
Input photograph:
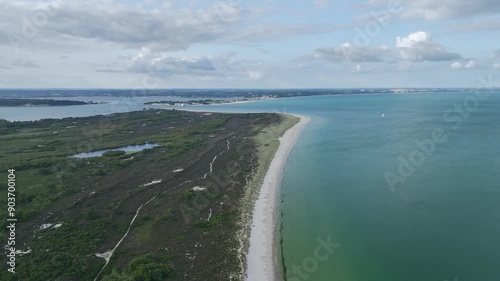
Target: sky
248,44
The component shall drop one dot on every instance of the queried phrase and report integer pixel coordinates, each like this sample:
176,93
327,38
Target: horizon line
242,89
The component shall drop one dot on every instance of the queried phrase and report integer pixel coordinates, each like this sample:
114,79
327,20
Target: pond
128,148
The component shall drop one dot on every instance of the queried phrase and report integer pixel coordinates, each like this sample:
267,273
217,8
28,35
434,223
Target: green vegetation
40,102
143,232
93,200
145,268
39,151
215,220
189,194
165,216
62,252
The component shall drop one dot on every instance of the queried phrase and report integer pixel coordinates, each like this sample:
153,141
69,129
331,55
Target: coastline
261,259
181,107
258,251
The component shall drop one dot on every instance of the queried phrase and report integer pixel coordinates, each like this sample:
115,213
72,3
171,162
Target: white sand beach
262,261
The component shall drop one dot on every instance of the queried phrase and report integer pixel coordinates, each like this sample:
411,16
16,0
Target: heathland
178,211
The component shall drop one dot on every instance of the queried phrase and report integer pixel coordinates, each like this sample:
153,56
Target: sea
379,187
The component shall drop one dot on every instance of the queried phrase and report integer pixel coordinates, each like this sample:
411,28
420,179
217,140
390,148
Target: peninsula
180,209
40,102
201,102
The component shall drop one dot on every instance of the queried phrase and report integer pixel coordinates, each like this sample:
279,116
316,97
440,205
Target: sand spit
262,261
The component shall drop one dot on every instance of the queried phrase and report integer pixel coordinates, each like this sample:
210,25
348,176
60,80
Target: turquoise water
442,222
439,222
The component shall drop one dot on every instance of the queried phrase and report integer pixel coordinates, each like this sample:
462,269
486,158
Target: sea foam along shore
262,258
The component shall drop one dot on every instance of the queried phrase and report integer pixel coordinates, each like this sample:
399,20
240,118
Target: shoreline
259,253
211,104
262,257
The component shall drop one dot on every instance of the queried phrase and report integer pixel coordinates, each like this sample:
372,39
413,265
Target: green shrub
91,215
44,171
189,194
216,219
145,268
100,172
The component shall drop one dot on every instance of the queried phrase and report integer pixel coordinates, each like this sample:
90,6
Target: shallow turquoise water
441,223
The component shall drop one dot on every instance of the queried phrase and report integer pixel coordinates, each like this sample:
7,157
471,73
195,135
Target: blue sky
248,44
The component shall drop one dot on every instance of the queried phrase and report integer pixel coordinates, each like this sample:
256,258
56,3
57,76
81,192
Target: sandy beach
262,263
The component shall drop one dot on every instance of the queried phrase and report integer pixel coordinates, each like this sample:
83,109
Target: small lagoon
128,149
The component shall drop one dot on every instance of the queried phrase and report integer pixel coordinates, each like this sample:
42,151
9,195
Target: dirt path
107,255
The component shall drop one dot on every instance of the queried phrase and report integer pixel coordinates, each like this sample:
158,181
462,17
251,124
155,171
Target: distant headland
41,102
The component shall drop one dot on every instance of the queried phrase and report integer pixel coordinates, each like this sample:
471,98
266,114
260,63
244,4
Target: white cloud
416,47
496,54
163,28
350,53
166,28
254,75
361,69
470,64
419,46
184,42
466,65
322,3
259,32
483,25
442,9
163,65
412,39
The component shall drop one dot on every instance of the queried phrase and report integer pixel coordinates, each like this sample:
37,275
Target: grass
143,232
267,144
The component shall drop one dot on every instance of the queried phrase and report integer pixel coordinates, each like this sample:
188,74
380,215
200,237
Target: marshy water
128,148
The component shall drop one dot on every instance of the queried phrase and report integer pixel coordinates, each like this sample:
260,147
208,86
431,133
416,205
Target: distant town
205,101
236,94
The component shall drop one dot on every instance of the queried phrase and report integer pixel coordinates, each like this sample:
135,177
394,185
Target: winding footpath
107,255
